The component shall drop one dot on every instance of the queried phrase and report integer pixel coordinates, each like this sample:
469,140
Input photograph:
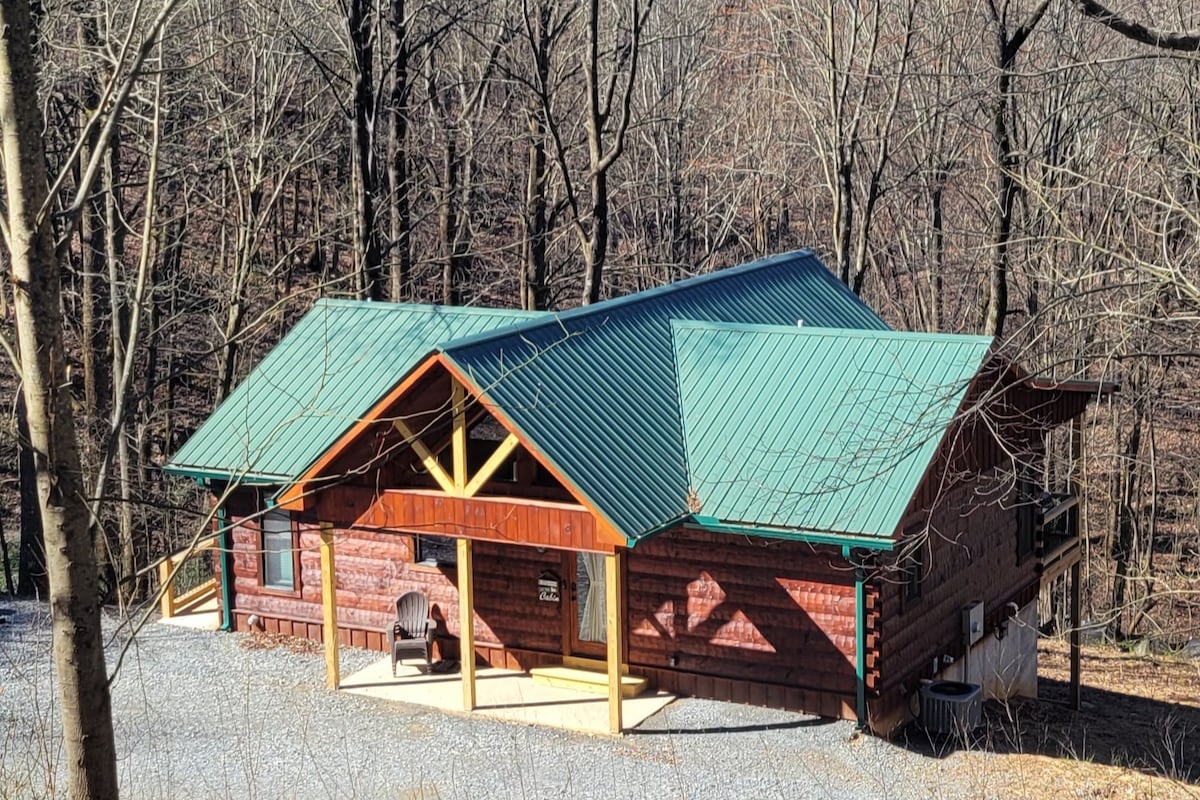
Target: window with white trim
278,551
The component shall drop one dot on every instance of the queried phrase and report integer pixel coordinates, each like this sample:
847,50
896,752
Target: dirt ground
1137,734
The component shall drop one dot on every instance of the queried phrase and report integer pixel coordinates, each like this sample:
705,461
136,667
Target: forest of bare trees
1028,169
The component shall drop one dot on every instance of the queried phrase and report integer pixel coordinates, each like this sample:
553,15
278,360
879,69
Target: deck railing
193,582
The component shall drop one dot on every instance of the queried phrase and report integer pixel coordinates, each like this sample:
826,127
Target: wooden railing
1058,536
172,603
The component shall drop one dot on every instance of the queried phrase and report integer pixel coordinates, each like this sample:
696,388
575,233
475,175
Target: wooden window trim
297,583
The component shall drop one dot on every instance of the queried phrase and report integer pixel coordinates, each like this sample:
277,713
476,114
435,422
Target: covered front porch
462,691
503,694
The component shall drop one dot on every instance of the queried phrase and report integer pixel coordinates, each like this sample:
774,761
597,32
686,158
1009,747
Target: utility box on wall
972,622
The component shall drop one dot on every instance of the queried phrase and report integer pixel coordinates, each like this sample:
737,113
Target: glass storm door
586,615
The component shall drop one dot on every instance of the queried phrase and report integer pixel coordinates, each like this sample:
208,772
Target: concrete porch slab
202,616
503,694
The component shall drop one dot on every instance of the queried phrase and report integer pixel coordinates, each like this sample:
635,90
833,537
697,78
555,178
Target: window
914,571
436,551
279,553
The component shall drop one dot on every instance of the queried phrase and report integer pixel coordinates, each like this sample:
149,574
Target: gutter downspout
860,639
226,544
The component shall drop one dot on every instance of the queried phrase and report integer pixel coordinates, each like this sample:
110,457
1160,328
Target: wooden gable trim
607,531
428,459
297,496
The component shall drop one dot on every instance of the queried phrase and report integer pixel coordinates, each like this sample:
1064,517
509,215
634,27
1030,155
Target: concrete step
586,680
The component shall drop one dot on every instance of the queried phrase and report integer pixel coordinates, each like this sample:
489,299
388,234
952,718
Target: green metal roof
336,363
594,388
816,430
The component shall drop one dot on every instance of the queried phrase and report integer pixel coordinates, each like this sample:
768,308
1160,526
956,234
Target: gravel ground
201,715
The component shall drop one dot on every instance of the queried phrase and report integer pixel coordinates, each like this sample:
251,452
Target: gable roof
327,372
817,430
595,387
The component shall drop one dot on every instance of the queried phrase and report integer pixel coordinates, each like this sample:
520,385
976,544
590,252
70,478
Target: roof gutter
860,638
202,475
714,525
226,544
650,533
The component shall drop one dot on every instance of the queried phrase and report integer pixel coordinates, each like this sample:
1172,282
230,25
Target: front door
585,617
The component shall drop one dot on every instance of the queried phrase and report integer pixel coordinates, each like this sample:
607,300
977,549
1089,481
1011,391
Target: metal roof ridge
817,330
387,305
634,298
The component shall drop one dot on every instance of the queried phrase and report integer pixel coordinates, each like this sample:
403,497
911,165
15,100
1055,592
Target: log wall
769,623
374,568
731,608
971,555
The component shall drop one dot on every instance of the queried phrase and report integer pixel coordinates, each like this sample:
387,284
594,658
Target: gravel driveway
201,715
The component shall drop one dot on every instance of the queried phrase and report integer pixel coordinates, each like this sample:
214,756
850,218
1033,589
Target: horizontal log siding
374,568
726,607
972,556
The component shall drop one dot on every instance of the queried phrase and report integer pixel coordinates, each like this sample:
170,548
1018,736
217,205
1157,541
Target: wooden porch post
1076,518
458,436
614,637
466,623
329,629
1073,690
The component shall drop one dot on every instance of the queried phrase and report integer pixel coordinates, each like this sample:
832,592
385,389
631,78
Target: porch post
1073,690
614,637
466,623
458,436
1074,520
329,630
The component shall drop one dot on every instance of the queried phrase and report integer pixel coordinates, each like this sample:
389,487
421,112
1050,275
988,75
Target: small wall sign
548,584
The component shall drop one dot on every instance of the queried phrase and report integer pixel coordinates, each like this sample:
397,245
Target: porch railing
193,583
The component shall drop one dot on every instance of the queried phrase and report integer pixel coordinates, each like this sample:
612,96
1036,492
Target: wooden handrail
170,603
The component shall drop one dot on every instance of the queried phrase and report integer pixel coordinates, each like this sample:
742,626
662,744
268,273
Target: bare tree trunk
31,557
74,602
1126,522
448,219
368,281
91,241
114,233
535,294
1004,152
9,585
400,247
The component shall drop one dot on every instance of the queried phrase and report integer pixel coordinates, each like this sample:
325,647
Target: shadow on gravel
1122,730
812,722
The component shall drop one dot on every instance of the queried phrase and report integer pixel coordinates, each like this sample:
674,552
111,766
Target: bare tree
859,55
611,49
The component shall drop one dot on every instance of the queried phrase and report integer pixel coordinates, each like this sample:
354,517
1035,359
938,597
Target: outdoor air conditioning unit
951,707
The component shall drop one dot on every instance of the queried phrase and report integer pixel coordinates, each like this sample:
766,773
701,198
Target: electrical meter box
972,622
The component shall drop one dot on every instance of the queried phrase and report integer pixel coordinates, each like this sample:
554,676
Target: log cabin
741,486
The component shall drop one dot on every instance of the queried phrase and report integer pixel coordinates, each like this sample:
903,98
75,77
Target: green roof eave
258,479
674,522
714,525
